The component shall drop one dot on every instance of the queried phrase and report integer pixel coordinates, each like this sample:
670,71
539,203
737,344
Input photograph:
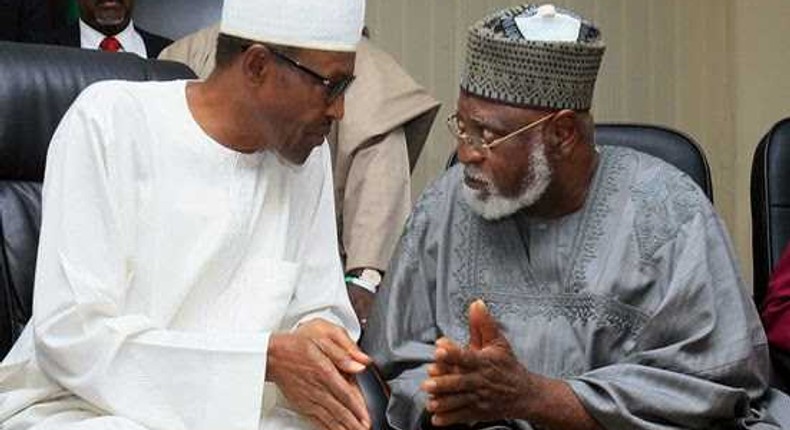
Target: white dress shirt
130,39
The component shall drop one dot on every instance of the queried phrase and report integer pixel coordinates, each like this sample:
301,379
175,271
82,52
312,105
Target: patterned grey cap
502,65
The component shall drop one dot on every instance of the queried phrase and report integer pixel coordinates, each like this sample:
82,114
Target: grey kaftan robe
635,300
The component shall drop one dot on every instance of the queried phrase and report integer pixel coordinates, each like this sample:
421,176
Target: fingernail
431,406
429,385
355,366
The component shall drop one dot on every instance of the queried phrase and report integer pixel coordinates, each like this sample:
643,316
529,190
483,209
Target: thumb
483,328
359,359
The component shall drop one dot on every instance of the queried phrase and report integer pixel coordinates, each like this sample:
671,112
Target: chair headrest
770,198
37,85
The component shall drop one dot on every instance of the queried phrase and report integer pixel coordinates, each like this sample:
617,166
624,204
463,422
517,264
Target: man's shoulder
196,50
202,39
154,43
653,179
378,72
110,98
121,90
664,200
371,56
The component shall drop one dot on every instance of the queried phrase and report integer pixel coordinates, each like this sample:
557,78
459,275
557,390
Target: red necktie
110,44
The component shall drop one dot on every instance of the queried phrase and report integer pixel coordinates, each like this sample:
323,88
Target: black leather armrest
377,394
781,363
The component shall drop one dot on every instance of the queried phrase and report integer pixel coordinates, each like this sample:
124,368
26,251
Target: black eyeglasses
333,88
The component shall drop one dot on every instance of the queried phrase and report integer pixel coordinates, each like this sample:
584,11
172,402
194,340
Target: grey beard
494,206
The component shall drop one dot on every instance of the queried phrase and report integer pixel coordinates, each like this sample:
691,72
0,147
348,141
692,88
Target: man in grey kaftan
635,299
550,283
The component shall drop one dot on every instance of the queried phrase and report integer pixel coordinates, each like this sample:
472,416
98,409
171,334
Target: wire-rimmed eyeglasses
458,130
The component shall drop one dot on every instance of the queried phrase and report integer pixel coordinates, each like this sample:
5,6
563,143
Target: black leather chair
770,196
669,145
37,85
377,394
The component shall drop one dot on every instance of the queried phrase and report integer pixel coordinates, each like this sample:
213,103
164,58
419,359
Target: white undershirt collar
130,39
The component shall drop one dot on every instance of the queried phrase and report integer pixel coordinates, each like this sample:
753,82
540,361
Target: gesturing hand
482,382
313,367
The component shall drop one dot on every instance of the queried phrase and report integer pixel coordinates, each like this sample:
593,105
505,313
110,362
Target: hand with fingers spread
486,382
314,368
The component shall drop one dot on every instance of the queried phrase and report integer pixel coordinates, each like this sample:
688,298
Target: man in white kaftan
175,255
387,119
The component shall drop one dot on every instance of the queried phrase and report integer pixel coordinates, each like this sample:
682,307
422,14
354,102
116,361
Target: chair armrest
376,393
781,366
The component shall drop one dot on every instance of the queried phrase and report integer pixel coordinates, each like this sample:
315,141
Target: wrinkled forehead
494,112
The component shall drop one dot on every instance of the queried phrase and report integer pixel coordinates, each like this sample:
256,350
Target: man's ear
564,132
256,61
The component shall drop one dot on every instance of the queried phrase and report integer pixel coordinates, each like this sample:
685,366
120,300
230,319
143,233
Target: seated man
107,25
387,119
548,282
187,273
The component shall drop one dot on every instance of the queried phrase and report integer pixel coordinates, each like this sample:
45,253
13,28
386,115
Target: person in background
106,25
546,282
388,117
187,273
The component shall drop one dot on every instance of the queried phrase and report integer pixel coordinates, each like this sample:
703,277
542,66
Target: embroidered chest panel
489,261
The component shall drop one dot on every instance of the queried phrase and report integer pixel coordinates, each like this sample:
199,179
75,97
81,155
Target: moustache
475,175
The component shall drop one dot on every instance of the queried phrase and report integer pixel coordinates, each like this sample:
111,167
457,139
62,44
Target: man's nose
467,154
337,108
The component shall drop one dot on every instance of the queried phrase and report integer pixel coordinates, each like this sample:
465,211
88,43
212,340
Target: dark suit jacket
70,36
22,20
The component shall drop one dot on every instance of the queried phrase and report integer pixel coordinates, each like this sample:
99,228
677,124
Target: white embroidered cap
327,25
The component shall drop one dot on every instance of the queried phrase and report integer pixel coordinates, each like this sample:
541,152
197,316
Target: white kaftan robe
165,262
